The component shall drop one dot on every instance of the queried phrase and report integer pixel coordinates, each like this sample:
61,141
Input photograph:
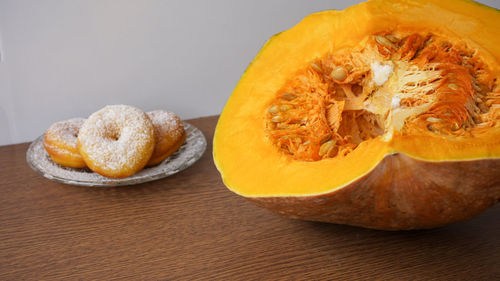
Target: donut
60,141
117,141
169,135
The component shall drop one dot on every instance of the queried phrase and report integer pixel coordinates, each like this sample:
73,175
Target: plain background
64,59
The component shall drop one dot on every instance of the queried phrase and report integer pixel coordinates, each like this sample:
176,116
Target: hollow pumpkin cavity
408,83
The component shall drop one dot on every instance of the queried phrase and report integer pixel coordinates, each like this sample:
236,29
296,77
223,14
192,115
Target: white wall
64,59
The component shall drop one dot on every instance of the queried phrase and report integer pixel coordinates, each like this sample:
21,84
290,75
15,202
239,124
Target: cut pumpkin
385,115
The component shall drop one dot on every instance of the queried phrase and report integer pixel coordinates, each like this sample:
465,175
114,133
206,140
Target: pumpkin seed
278,118
285,107
289,96
392,38
453,86
384,41
326,147
338,73
433,119
273,109
316,67
282,125
326,138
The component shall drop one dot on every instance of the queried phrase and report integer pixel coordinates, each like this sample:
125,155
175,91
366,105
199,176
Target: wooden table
189,226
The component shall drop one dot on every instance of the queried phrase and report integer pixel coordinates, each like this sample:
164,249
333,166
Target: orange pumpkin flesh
389,123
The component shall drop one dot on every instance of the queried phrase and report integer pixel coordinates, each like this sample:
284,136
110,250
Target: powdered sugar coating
169,134
64,133
117,140
60,141
167,125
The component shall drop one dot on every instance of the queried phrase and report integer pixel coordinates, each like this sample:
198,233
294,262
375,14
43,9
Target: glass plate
192,149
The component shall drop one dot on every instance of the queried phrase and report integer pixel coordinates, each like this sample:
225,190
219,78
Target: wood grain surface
190,227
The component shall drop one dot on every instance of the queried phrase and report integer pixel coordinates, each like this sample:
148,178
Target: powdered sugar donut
60,141
117,141
169,134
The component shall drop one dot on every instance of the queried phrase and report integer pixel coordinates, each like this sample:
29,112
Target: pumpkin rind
401,193
408,182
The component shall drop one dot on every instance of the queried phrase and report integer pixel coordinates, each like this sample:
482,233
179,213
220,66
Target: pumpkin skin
392,181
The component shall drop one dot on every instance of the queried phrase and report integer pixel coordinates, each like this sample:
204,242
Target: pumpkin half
385,115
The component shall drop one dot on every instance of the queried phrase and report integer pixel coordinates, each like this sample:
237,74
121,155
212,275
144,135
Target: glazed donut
169,135
60,141
117,141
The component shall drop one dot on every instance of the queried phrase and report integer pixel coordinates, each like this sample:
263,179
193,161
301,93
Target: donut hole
113,135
